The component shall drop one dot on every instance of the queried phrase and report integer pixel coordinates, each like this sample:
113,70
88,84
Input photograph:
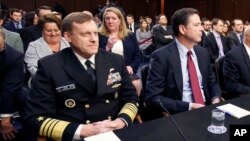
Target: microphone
172,119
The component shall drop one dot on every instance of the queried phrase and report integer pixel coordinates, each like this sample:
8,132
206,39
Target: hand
113,124
196,106
130,70
7,130
215,100
111,42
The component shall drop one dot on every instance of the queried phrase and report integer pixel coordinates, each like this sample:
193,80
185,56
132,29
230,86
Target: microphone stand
175,124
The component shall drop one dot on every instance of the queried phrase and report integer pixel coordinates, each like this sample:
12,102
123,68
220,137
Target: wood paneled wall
226,9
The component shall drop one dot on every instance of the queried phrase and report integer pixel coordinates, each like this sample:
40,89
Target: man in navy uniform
80,91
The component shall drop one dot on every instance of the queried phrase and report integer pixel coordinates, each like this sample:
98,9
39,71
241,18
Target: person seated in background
236,68
16,22
116,38
11,82
51,42
163,34
235,37
11,38
180,76
82,90
143,35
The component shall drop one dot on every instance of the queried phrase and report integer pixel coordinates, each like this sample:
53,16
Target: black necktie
91,71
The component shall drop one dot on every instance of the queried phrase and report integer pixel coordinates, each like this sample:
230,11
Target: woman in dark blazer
115,37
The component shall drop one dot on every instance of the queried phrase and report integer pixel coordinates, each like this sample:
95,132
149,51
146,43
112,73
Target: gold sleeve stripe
42,128
57,131
53,128
129,109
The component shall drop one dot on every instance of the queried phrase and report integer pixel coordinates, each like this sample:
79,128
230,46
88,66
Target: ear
67,36
182,29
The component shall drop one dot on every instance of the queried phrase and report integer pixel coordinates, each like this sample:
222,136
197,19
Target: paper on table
234,111
108,136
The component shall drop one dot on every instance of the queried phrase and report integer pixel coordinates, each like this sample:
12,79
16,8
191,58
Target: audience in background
50,42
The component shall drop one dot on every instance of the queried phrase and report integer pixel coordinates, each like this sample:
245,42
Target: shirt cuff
77,135
5,115
124,121
214,98
190,106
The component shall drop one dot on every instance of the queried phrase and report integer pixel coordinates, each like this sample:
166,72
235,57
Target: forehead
111,13
84,27
238,22
16,13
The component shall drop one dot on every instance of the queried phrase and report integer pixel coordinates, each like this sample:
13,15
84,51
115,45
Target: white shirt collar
216,34
83,60
182,49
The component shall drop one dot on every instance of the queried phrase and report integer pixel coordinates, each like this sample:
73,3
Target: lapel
176,64
236,37
215,46
74,69
201,62
246,57
102,72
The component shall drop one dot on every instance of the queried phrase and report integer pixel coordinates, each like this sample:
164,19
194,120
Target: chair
219,76
147,113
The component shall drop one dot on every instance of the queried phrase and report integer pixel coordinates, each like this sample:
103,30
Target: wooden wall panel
226,9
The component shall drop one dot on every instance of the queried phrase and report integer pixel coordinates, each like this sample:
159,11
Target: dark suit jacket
30,34
159,32
165,82
236,70
11,78
11,26
63,91
232,40
210,44
132,55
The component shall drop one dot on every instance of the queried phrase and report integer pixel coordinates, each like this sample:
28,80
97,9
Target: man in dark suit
163,34
34,32
172,82
236,68
206,25
16,22
215,43
132,25
11,82
234,39
80,91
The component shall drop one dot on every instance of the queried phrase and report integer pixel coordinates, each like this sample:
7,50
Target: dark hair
141,29
50,18
29,18
75,17
42,8
180,17
215,21
15,10
130,15
203,20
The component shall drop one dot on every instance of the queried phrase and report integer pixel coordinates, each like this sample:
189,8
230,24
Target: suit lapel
215,43
102,72
201,62
246,56
176,64
74,68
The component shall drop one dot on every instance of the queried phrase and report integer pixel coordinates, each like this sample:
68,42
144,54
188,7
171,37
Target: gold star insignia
40,118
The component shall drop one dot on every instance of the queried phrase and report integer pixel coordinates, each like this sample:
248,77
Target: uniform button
87,106
107,101
109,117
87,121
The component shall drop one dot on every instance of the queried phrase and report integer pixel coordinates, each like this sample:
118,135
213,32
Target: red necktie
194,80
